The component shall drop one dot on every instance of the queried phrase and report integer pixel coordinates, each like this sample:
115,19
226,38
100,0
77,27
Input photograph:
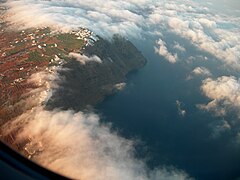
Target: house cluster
18,80
28,37
35,37
57,61
28,41
88,36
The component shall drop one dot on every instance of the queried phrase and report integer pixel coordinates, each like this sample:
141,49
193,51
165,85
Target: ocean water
146,111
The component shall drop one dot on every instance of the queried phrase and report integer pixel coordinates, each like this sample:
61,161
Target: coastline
64,82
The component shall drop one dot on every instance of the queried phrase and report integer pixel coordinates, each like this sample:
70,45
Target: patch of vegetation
51,51
44,31
35,56
70,41
20,44
12,51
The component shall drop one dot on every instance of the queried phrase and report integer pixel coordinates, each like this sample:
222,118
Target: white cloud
156,18
177,24
182,112
179,47
201,71
83,59
162,50
207,23
190,20
224,93
103,17
76,144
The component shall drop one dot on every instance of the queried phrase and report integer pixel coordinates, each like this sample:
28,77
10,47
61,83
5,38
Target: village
26,52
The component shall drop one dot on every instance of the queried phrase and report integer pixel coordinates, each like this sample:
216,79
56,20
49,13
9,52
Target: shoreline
75,86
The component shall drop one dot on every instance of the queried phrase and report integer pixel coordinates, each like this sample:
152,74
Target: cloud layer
211,33
224,95
103,17
76,144
215,34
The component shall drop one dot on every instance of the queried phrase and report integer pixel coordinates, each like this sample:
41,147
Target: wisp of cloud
76,144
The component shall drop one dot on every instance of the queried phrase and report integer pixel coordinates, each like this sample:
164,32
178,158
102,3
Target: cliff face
88,84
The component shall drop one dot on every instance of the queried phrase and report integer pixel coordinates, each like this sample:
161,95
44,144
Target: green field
51,51
35,56
70,41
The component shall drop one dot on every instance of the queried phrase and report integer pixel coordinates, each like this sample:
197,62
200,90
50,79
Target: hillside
88,84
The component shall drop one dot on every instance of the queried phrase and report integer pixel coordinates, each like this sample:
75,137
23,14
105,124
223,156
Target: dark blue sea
146,111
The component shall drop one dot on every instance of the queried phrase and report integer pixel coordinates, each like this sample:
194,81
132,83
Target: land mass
83,83
24,53
86,85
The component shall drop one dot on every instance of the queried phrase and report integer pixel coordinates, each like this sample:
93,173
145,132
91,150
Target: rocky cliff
87,84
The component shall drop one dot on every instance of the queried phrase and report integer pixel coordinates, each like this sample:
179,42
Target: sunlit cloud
179,47
76,144
224,96
102,151
195,23
201,71
103,17
83,59
224,92
189,19
162,50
